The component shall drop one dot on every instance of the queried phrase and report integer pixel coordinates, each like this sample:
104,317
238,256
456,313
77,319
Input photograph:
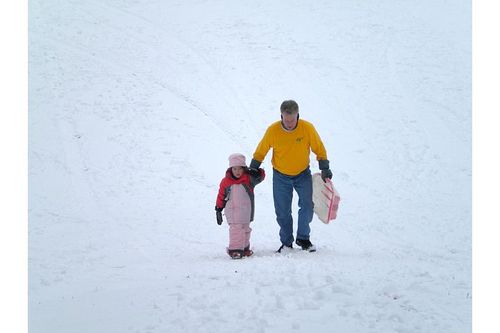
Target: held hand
253,172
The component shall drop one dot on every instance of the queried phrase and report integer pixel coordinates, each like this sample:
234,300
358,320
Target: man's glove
324,166
253,172
218,215
253,169
254,164
326,174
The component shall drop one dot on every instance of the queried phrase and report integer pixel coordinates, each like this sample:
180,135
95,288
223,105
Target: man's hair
289,106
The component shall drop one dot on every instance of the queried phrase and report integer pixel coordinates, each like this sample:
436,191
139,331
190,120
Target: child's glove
218,215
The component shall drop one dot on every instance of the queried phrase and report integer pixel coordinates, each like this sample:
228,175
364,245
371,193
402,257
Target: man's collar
287,130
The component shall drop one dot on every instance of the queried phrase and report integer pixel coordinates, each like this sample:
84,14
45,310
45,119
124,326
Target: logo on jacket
299,139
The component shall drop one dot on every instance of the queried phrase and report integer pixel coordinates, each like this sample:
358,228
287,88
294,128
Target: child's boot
247,252
235,254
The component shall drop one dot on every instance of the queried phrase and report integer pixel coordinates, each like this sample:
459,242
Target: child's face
237,171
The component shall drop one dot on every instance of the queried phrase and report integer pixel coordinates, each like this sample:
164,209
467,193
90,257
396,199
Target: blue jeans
283,187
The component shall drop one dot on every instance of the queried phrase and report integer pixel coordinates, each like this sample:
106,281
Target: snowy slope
134,107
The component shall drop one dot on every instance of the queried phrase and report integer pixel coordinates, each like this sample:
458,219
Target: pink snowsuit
237,198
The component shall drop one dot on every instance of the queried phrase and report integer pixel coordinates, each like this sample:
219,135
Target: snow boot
235,254
247,252
306,245
285,248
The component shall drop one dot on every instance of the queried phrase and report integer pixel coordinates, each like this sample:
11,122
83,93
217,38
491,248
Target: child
237,198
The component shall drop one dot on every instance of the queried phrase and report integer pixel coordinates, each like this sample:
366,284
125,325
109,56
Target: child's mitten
218,215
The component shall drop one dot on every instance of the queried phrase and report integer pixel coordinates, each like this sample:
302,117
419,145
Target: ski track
134,109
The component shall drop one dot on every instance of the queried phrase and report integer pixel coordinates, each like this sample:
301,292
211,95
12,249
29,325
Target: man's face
290,120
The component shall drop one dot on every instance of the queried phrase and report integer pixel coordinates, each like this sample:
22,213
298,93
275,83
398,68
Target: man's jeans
283,187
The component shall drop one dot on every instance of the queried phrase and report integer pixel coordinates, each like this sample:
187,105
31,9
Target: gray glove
324,166
254,164
253,172
253,169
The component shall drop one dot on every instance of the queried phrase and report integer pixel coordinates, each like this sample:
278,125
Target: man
292,141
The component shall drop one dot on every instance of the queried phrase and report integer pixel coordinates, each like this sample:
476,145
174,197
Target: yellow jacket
291,149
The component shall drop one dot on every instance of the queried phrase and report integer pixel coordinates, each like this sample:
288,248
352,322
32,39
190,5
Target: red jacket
246,180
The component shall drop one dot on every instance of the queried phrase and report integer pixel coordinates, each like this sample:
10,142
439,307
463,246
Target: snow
134,108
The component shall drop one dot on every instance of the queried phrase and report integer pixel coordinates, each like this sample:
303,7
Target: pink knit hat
237,160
